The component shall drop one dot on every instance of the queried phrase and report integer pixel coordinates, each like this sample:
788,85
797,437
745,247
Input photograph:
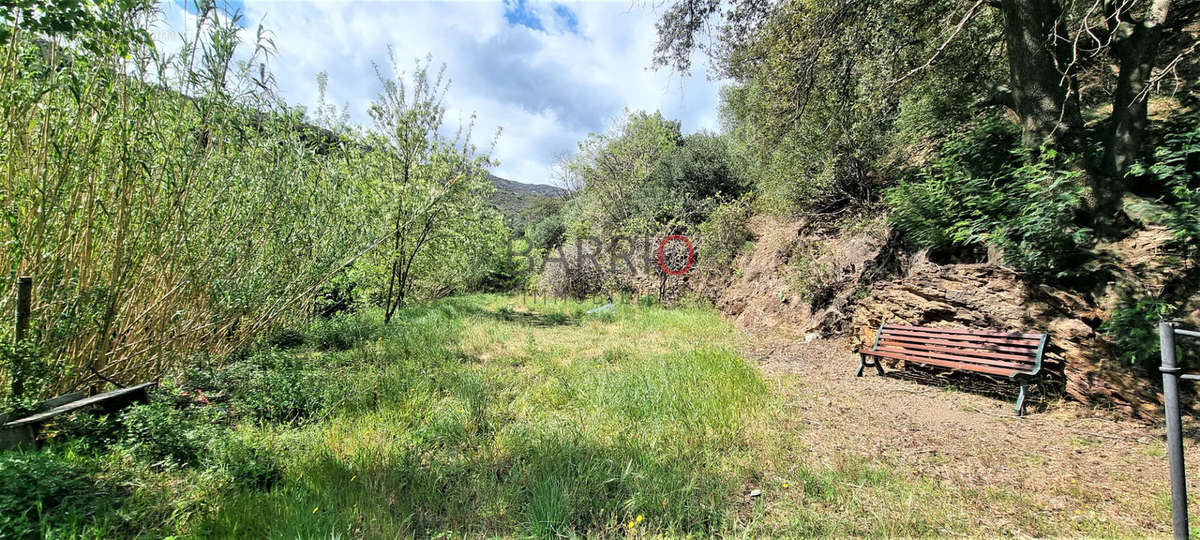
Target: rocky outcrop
800,278
987,296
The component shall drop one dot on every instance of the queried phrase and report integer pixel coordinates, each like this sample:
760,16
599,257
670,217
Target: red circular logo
662,263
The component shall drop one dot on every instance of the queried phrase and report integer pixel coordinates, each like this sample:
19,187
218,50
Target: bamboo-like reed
165,205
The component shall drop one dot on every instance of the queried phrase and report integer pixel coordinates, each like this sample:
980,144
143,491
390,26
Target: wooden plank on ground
115,398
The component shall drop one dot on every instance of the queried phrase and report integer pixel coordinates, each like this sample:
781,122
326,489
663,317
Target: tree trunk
1043,99
1135,45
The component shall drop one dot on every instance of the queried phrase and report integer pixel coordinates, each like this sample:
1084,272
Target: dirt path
1038,475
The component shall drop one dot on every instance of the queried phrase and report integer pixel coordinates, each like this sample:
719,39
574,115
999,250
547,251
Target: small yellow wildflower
639,518
785,485
631,524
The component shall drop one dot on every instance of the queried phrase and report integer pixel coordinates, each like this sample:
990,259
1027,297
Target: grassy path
492,419
479,416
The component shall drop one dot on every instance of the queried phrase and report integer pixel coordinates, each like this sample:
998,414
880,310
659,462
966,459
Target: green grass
478,416
494,421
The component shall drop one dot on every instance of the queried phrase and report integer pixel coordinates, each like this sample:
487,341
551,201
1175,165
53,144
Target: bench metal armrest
1037,366
878,332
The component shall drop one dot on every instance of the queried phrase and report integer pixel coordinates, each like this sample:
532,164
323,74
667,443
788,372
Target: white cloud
547,88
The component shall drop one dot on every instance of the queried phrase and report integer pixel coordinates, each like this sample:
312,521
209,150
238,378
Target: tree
613,167
1046,46
1043,93
436,185
684,183
1135,42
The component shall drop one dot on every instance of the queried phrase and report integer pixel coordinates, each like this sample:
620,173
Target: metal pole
1170,373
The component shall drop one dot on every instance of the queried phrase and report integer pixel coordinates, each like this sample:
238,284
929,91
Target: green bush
337,296
1176,171
286,338
812,279
984,191
505,270
685,182
724,236
547,234
25,362
283,393
162,433
816,162
86,432
39,487
1133,327
270,386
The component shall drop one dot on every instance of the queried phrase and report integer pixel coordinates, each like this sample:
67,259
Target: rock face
986,296
801,279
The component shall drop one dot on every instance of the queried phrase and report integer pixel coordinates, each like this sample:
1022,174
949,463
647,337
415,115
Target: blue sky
548,73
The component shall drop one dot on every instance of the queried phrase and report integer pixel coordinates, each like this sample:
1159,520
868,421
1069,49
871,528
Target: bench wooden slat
945,363
969,339
1008,364
1019,358
963,331
1018,366
1032,352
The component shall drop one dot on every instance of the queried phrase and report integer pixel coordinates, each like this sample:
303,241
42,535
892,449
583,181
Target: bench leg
862,363
1020,407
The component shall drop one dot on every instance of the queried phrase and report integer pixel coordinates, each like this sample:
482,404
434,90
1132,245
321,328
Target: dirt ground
1065,462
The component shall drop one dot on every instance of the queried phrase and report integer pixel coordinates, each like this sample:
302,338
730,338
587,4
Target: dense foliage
643,179
169,202
983,191
819,108
1174,171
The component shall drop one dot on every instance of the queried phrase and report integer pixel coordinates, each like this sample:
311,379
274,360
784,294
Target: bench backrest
997,353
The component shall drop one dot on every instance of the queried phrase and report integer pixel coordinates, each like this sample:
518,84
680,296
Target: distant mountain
523,204
503,184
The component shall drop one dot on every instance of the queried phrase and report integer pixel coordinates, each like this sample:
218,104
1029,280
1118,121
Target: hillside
515,198
523,189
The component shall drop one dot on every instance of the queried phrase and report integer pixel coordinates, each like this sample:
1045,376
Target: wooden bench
1014,355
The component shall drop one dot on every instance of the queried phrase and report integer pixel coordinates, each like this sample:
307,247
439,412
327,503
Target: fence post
24,300
1170,374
